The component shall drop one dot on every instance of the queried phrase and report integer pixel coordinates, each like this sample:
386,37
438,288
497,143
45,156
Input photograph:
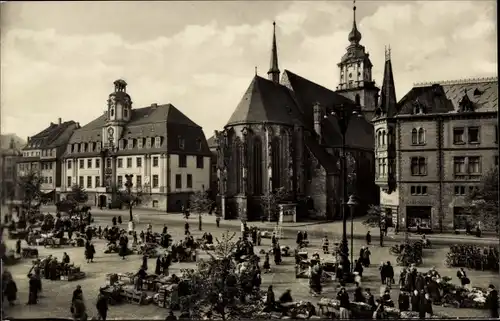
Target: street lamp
344,116
128,185
352,206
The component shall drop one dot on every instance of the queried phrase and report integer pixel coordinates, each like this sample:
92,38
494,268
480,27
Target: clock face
111,130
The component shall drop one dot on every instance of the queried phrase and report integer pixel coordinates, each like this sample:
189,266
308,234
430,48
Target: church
286,135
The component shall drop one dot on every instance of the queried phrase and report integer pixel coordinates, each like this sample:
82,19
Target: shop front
389,204
419,218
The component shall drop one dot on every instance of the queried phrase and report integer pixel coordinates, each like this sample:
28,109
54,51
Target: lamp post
344,116
352,206
128,185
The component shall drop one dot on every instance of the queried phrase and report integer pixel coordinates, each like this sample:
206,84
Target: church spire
274,72
354,35
388,93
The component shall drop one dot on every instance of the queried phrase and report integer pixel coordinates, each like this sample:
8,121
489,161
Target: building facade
433,147
43,154
10,152
164,150
283,135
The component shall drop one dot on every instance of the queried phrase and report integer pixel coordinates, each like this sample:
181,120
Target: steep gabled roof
388,102
53,136
264,101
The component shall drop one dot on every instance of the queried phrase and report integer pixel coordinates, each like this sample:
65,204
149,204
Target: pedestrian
217,221
300,237
343,298
145,262
326,245
382,271
102,305
492,301
10,290
389,274
120,219
368,238
186,228
462,276
266,265
113,220
78,308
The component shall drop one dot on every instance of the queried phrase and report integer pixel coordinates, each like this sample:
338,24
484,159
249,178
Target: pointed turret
274,71
388,93
354,35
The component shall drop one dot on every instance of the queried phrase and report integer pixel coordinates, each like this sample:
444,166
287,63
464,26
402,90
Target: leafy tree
483,200
30,185
376,218
130,197
271,201
216,286
200,202
77,194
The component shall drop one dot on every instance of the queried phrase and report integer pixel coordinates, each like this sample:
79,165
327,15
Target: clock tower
355,67
117,115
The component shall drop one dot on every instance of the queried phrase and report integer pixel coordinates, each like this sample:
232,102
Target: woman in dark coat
266,266
123,247
145,262
158,265
18,247
113,220
415,301
270,303
277,255
11,291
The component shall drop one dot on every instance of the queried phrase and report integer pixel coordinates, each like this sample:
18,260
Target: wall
200,176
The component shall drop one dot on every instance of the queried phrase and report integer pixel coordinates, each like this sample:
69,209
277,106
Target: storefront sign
389,199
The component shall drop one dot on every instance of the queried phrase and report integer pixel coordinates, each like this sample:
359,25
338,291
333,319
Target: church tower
385,131
355,67
274,72
118,113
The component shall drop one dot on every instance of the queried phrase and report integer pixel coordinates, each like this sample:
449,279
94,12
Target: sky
59,59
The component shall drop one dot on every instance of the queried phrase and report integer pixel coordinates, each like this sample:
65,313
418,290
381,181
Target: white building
164,150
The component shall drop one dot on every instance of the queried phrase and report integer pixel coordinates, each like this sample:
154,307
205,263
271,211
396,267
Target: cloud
205,69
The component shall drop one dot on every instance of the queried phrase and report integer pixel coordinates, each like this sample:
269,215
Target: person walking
102,305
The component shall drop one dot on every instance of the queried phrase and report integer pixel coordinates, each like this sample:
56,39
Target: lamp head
352,201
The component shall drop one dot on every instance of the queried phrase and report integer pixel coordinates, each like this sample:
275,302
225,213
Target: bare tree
200,202
376,218
30,185
271,201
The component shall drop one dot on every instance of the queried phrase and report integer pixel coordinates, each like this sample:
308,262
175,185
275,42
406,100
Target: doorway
102,200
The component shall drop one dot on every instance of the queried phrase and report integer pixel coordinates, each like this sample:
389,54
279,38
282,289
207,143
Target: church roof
445,96
308,93
156,120
263,101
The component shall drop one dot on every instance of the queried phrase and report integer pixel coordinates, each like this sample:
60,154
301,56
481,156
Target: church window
237,166
157,141
257,166
276,163
139,143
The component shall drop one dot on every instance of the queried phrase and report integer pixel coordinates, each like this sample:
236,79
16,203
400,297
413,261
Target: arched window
257,166
379,138
383,137
112,113
237,165
421,136
125,113
414,136
276,163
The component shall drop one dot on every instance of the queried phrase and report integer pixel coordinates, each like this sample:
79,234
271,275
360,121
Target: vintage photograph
229,160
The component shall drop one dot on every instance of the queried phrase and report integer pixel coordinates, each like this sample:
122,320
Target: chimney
59,121
28,139
154,105
317,120
77,125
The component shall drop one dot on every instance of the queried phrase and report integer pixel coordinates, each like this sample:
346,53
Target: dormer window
465,104
130,144
157,141
77,148
148,142
198,145
121,144
140,141
98,146
477,92
181,143
68,149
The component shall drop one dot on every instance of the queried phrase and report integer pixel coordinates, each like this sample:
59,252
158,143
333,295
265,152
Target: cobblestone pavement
56,296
